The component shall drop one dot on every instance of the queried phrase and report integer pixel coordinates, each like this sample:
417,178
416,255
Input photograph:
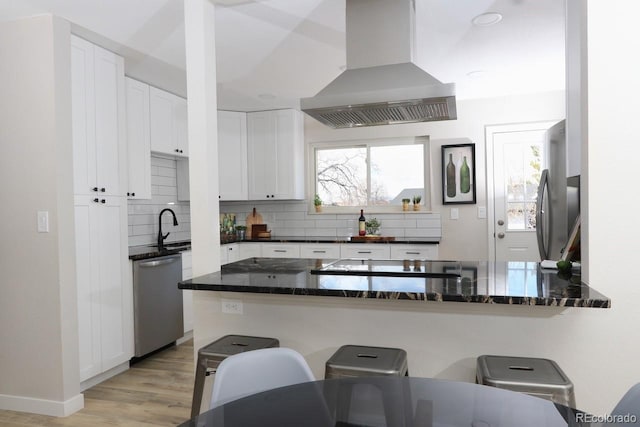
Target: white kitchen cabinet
104,288
229,252
364,250
320,250
168,118
187,294
98,125
280,250
423,251
250,250
232,155
275,155
138,140
105,292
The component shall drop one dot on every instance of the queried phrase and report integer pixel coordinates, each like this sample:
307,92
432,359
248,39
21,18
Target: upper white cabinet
168,116
98,111
232,155
138,140
276,155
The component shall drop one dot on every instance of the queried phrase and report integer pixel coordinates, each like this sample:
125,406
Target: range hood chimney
381,84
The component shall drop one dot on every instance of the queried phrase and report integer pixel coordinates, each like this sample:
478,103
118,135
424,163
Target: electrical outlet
231,306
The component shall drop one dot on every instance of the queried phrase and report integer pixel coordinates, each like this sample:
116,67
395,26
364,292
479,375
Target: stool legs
198,386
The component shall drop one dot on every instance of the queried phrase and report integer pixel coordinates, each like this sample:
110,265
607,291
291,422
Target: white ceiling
273,52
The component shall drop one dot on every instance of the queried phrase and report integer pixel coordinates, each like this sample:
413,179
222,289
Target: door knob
500,222
500,235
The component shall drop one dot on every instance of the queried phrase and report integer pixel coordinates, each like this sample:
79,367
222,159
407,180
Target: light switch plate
455,214
43,221
482,212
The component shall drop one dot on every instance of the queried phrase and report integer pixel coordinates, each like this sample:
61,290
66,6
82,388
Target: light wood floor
154,392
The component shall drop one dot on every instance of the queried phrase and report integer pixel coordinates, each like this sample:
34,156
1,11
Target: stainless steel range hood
381,84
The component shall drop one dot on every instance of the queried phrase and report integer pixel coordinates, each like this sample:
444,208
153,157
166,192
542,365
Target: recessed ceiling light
486,19
266,96
476,74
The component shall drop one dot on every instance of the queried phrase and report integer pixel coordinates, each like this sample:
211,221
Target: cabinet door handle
96,200
177,151
102,190
412,253
319,252
94,189
133,194
280,250
364,252
103,201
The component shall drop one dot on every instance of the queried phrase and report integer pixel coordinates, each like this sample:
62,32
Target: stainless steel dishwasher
157,303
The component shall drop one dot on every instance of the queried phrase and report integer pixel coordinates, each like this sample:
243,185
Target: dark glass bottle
465,177
451,177
361,224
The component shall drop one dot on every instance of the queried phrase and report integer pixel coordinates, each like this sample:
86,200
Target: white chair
255,371
629,404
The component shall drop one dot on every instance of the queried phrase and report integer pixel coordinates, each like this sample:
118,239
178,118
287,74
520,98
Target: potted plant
317,202
405,204
372,226
416,202
241,232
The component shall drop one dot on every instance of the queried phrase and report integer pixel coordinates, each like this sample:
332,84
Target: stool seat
360,361
534,376
211,355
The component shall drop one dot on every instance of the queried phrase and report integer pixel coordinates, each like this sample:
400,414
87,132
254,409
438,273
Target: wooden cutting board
253,218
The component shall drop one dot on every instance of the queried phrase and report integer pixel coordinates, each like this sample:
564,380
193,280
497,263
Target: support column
199,17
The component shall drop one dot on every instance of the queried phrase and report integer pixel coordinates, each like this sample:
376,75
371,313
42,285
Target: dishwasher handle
148,264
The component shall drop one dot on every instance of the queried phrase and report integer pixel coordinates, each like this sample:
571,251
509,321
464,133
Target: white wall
38,326
466,238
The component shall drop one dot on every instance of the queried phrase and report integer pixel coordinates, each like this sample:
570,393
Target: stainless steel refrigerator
558,203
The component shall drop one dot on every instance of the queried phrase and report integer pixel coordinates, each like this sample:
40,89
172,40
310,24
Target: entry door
516,156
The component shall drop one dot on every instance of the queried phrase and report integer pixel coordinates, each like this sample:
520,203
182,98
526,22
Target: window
378,173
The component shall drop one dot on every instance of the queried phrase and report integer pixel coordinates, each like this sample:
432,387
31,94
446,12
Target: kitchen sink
177,245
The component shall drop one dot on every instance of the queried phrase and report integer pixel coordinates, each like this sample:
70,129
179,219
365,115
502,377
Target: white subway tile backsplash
293,219
143,214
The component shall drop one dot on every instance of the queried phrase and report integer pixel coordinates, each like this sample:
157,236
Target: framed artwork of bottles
458,174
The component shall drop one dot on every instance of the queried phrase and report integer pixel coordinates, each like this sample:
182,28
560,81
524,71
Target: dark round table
390,401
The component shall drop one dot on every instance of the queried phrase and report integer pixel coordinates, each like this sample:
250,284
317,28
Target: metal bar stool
363,361
536,377
210,356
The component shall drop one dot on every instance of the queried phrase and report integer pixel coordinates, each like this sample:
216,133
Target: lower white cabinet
401,251
280,250
364,251
187,294
250,250
229,252
320,250
104,286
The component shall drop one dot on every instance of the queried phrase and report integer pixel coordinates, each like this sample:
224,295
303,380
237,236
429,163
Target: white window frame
312,147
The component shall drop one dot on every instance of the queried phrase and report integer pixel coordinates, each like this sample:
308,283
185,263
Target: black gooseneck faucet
161,237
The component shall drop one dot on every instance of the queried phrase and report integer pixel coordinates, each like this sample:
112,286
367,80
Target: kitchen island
444,323
480,282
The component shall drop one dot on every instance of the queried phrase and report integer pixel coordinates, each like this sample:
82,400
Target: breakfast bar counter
514,283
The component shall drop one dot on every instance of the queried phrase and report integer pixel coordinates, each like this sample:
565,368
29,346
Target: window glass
369,174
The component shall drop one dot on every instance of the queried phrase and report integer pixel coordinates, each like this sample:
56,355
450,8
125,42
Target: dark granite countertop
523,283
137,253
326,239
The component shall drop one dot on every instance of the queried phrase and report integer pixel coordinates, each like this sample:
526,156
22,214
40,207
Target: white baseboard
187,336
104,376
52,408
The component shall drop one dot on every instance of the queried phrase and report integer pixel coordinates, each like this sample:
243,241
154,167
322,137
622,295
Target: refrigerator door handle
544,182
